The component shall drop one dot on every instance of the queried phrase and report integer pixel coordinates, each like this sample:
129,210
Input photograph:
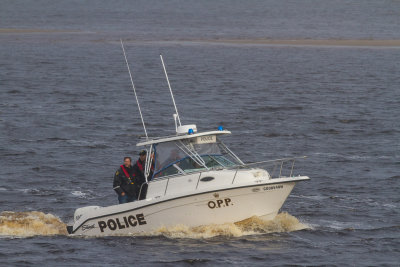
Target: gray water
68,116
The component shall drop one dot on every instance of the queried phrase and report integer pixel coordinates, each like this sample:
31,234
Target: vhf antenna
134,89
176,115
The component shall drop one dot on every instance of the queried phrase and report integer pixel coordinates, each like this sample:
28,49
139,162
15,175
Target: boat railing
277,168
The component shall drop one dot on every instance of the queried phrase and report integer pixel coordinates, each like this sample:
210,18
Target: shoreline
337,42
22,31
307,42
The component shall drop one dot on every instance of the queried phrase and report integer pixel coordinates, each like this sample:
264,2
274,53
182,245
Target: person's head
142,155
127,161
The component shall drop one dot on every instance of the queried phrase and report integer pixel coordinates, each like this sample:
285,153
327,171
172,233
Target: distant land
307,42
244,41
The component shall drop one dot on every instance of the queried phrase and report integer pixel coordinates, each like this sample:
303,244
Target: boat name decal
87,227
219,203
272,187
125,222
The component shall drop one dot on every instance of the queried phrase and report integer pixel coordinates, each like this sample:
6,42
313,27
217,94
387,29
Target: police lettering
219,203
206,138
132,221
125,222
111,224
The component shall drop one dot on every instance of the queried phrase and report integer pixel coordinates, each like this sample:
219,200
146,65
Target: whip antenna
172,95
134,89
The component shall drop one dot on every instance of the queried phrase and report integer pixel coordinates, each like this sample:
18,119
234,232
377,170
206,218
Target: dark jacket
122,183
138,171
139,176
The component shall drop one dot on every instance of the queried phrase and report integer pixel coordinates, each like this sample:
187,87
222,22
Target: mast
170,90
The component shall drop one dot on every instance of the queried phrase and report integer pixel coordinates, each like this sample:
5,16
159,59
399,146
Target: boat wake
283,222
31,223
35,223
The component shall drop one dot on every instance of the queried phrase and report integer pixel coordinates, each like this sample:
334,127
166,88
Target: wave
35,223
283,222
31,223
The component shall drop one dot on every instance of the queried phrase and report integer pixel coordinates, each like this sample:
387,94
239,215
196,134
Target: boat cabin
190,162
188,153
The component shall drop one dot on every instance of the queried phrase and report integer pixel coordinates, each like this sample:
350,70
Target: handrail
166,187
267,161
291,171
198,180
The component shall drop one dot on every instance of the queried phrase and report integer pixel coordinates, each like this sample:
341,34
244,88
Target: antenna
172,95
134,89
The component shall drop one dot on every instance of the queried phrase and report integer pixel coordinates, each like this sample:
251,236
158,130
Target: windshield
188,165
186,156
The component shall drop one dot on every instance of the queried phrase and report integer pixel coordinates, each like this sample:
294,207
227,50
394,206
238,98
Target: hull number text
273,187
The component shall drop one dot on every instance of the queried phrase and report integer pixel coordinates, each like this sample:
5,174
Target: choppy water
68,116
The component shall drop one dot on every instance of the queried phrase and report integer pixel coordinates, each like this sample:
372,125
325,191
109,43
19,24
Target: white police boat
197,180
193,179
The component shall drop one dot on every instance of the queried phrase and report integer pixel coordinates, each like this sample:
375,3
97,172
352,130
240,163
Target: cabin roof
180,137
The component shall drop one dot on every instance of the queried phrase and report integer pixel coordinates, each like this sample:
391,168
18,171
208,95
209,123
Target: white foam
79,194
283,222
315,197
23,224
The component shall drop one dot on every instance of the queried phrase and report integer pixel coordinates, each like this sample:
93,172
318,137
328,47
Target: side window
171,170
210,162
188,164
224,161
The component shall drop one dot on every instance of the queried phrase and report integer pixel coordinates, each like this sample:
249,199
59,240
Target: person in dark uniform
138,170
124,182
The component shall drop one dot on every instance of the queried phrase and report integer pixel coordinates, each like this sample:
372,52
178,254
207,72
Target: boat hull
203,208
